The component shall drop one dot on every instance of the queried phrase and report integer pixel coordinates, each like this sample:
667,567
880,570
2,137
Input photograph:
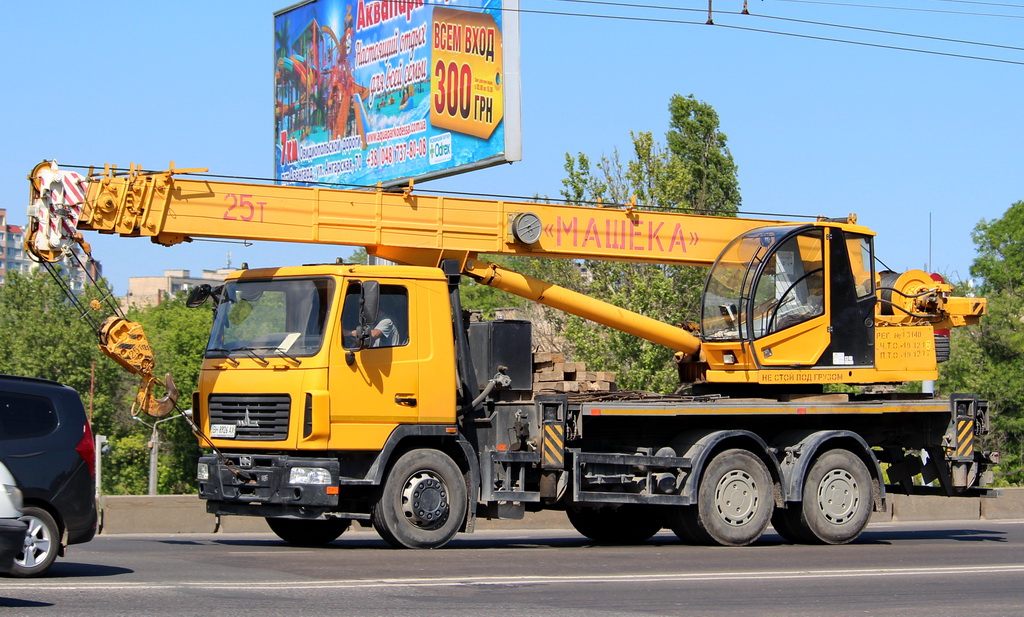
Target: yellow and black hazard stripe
553,449
965,437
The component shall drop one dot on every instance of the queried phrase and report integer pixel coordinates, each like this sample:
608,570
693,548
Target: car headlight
15,494
309,475
203,471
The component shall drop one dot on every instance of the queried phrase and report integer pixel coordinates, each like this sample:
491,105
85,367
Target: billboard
381,91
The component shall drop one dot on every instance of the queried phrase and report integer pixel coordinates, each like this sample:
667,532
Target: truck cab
301,324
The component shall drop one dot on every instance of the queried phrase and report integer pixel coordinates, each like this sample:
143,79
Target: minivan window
24,415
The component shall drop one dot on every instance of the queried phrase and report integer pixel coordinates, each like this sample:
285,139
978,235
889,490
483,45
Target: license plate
224,431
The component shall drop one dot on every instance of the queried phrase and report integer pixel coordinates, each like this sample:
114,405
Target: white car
12,530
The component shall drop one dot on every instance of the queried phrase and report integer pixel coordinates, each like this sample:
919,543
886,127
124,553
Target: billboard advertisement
382,91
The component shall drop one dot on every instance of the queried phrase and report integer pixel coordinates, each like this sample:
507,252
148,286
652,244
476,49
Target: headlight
309,475
203,471
15,494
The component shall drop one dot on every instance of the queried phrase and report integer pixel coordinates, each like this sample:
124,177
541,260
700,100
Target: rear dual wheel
734,502
837,502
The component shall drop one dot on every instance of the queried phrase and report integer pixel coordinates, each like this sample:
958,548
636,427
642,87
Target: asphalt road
971,568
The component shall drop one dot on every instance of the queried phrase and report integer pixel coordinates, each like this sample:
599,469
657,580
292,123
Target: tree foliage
987,358
694,137
693,173
44,336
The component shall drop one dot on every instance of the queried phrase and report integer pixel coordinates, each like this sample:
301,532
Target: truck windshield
263,317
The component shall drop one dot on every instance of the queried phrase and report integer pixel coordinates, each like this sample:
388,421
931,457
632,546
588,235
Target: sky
921,146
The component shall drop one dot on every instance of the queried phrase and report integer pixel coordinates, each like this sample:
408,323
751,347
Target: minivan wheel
42,542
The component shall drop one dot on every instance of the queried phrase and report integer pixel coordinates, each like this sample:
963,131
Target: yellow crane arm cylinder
583,306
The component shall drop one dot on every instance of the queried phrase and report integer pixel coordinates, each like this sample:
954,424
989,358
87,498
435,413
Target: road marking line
284,551
513,580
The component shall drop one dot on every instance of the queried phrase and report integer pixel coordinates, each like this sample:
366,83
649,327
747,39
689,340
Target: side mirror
369,303
198,296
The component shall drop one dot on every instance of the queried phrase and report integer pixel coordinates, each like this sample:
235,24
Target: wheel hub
838,496
736,498
425,501
37,544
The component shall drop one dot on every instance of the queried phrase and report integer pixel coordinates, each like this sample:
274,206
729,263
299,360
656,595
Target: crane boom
171,210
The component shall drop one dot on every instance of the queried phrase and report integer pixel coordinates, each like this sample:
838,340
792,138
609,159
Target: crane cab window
859,249
791,286
767,280
390,328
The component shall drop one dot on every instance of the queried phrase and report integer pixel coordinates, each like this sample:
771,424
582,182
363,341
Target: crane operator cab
791,296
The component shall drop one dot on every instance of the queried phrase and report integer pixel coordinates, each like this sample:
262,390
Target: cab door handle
408,401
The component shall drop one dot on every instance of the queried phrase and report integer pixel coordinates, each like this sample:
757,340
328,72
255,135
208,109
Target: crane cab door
374,383
813,301
851,301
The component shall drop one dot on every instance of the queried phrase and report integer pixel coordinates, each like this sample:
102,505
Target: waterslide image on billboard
371,92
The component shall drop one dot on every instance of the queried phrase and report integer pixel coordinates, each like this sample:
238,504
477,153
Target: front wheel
423,501
734,502
42,543
305,532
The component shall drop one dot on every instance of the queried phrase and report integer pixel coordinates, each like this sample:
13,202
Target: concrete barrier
906,508
156,514
1009,505
127,514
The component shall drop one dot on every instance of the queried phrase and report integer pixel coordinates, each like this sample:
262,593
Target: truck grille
257,417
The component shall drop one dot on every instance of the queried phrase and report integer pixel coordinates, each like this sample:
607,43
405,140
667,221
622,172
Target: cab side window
390,328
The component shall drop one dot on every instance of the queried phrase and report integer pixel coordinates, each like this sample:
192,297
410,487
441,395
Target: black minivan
47,444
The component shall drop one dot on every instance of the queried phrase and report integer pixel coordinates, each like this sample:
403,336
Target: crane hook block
125,343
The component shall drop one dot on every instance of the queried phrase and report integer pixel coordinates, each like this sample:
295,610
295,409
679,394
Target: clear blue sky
816,127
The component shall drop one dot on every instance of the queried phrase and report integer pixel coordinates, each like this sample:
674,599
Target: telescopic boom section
172,210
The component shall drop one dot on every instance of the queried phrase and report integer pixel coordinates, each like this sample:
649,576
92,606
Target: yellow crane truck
340,392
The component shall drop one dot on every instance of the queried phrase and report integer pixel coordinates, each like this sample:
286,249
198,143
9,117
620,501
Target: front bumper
265,479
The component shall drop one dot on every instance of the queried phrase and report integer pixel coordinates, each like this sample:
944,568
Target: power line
1016,6
892,32
902,8
684,209
876,45
801,21
763,31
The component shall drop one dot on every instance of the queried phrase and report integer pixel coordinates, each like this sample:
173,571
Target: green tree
44,336
986,359
359,256
695,138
